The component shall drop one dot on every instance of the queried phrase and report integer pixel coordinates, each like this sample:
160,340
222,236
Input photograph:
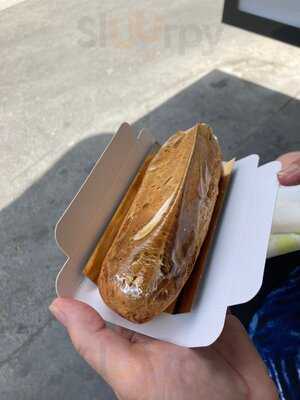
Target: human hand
141,368
290,173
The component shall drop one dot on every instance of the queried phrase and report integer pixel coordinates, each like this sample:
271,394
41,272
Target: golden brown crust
159,240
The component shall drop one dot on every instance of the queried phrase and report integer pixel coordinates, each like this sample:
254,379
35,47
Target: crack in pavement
25,344
295,98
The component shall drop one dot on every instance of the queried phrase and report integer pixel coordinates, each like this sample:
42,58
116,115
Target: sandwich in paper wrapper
161,239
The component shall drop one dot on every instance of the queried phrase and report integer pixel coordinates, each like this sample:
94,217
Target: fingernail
58,314
290,170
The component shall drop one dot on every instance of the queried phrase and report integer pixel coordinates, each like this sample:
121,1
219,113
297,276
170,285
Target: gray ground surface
66,83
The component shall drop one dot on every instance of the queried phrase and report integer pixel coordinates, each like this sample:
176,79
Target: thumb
106,351
290,175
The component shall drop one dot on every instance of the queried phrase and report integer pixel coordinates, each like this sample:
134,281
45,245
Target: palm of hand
138,367
159,370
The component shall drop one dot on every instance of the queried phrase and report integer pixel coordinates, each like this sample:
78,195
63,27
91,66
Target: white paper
285,237
287,211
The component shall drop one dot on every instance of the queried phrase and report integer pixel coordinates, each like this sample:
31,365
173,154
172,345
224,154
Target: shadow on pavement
36,360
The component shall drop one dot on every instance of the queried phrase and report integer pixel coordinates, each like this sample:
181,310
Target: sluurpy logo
141,30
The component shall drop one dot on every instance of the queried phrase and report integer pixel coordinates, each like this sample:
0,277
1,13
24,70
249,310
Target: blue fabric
275,331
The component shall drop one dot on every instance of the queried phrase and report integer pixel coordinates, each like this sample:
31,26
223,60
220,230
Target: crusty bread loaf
160,238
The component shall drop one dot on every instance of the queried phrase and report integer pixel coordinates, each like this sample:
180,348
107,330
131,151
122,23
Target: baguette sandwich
157,244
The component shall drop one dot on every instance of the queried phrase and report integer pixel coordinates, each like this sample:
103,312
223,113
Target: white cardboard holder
234,271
